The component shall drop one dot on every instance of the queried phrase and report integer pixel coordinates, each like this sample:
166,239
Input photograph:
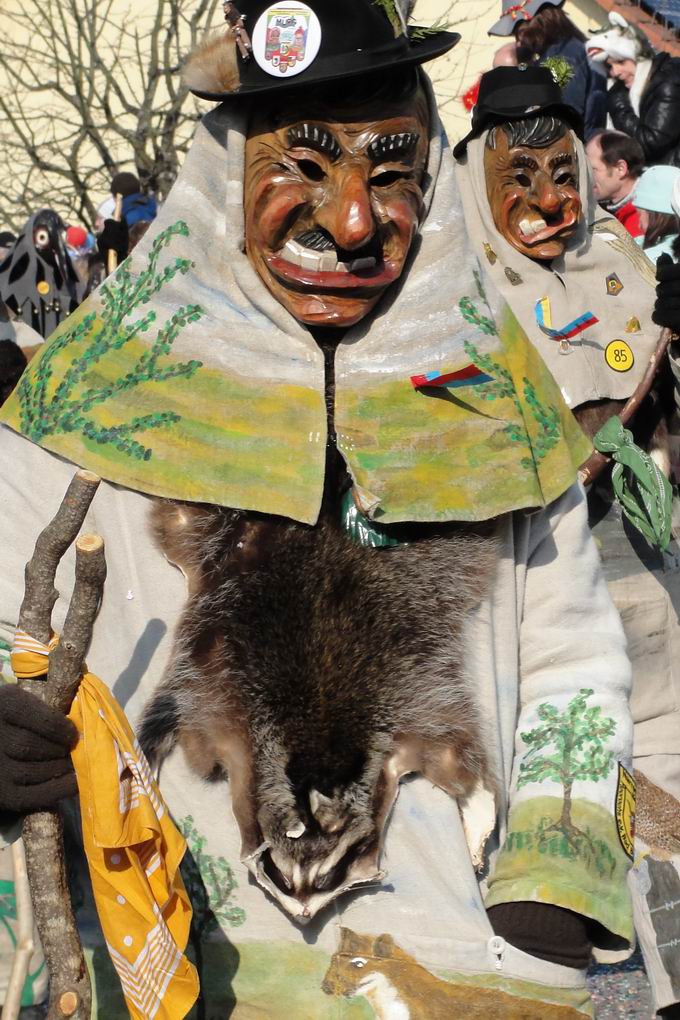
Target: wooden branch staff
597,462
70,992
111,255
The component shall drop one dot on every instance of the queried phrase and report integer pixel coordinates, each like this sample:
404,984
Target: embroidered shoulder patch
624,809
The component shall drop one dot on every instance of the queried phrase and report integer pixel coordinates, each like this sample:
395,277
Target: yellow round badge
43,287
619,356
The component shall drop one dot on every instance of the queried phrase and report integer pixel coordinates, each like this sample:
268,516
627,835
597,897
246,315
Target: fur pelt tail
159,728
212,66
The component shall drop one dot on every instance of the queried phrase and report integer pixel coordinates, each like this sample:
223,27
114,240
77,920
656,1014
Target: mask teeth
323,262
529,227
366,263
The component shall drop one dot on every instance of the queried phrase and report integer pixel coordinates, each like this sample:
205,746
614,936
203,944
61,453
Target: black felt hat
297,44
511,93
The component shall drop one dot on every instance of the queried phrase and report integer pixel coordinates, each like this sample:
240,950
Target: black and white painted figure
37,280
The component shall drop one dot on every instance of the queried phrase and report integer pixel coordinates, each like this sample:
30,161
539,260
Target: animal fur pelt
212,66
315,673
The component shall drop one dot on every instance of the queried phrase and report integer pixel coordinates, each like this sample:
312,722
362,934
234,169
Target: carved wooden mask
333,201
532,183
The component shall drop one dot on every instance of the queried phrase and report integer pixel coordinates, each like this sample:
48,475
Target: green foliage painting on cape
46,409
503,386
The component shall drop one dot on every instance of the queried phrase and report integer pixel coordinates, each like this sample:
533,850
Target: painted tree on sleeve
574,749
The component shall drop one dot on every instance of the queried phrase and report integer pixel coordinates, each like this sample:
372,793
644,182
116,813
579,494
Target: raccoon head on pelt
314,673
321,828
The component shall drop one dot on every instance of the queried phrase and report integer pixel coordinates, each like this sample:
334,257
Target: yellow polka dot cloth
133,851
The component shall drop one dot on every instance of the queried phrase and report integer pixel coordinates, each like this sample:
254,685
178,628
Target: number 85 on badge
619,356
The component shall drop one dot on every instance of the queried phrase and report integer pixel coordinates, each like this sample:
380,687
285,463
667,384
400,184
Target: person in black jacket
644,100
657,125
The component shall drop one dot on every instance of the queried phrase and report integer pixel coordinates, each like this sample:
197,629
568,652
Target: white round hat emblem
286,39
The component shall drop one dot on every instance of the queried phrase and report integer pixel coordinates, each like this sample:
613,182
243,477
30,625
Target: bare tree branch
89,87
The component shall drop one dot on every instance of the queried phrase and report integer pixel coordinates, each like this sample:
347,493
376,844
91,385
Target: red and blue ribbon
468,376
572,329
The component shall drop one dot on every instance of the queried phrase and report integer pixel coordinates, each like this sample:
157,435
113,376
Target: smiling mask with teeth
531,171
332,204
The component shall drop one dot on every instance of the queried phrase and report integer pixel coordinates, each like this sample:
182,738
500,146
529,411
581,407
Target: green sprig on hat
399,14
394,15
422,32
561,70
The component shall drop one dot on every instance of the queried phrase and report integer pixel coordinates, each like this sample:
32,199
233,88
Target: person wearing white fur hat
644,99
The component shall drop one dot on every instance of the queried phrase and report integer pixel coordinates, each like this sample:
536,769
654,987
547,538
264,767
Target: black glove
667,305
543,930
114,237
35,765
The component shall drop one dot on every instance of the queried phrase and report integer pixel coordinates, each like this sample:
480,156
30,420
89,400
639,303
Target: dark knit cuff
8,820
545,931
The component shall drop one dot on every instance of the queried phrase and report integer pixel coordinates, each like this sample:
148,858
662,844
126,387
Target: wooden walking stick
597,462
112,255
70,992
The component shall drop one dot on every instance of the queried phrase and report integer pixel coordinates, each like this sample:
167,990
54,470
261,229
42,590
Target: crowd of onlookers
50,267
627,95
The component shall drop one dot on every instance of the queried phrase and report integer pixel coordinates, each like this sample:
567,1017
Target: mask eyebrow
562,159
312,136
523,159
393,146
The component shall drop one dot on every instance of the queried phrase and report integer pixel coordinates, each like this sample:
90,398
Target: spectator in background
653,199
644,100
675,206
13,359
617,162
543,30
7,241
137,232
137,212
88,263
506,55
79,244
104,213
136,205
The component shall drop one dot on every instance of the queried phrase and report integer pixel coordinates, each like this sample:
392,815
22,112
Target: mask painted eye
359,962
41,238
311,170
564,177
388,177
524,180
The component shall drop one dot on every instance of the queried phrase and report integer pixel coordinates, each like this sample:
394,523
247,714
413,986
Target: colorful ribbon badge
564,335
468,376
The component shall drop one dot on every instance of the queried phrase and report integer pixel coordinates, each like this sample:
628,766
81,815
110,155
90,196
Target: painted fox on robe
399,988
314,673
